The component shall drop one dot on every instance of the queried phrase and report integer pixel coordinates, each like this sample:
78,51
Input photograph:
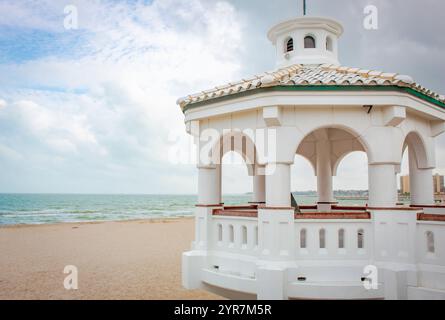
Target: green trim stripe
317,88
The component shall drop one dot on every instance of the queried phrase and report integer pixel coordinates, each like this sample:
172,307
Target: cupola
307,41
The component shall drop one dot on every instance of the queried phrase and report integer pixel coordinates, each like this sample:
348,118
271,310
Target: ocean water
54,208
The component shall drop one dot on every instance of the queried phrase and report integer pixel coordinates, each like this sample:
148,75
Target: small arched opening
231,234
289,45
322,238
220,233
303,239
309,42
244,235
430,245
329,44
361,239
341,238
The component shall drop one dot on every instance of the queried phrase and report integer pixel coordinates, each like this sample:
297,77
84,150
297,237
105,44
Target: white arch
421,159
239,142
360,139
417,144
324,146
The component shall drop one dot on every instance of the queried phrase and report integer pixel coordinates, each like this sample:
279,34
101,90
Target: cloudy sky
92,109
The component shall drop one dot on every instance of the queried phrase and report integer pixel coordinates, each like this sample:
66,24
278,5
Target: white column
209,186
324,172
259,189
420,183
382,185
278,185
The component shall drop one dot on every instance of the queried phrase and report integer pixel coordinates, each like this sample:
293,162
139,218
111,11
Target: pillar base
272,282
325,206
276,234
192,264
395,285
203,221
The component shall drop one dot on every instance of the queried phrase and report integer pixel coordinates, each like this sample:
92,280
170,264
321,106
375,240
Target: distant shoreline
49,209
84,223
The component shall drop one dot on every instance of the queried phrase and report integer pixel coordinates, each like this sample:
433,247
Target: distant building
438,181
404,184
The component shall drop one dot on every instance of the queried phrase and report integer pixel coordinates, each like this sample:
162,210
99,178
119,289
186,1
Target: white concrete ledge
419,293
229,282
333,290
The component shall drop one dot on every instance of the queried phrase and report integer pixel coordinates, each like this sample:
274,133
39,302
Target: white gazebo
314,107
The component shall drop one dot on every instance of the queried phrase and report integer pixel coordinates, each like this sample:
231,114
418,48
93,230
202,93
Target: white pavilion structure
316,108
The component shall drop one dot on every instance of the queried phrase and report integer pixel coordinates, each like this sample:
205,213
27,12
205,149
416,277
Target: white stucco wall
397,247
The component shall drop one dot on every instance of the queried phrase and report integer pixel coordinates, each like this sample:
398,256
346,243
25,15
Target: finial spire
304,7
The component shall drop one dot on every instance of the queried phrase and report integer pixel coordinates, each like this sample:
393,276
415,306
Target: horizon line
151,194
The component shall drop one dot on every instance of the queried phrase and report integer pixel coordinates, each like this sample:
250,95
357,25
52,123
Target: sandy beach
115,260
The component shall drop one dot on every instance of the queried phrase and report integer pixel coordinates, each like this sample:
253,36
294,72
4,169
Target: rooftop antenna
304,7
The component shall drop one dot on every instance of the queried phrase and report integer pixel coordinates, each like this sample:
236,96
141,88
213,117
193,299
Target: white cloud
112,103
62,129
